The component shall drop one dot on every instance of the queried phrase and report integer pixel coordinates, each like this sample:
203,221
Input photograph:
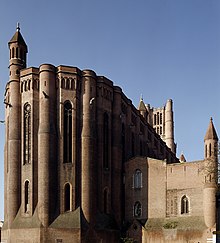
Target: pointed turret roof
182,158
211,133
17,37
142,106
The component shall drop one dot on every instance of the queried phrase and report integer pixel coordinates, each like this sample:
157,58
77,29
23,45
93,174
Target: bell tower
17,61
18,52
210,174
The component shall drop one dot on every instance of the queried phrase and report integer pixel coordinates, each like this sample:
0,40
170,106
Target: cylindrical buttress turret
88,178
14,150
46,139
209,204
169,127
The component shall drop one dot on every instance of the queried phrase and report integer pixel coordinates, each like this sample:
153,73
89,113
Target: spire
142,106
17,37
18,26
211,133
182,158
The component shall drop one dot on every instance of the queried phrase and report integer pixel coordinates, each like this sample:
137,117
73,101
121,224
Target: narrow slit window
27,133
138,179
67,132
67,197
26,197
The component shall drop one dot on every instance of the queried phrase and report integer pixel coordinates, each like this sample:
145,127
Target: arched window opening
67,197
67,84
26,197
63,83
138,179
72,84
27,134
206,151
13,52
105,201
67,146
16,52
106,141
29,84
21,54
22,86
137,209
132,145
210,150
155,119
161,119
184,205
158,118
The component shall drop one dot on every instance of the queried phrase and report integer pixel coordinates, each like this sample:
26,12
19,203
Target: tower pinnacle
18,26
211,133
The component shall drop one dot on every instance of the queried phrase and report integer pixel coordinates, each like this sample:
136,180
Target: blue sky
158,48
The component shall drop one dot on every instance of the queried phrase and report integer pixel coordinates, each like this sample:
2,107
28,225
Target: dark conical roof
17,37
142,106
182,158
211,133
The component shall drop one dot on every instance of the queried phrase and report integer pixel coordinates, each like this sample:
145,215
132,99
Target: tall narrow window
67,136
206,151
137,209
155,119
67,84
67,197
106,200
26,197
161,119
27,133
13,52
210,150
184,205
138,179
105,141
158,118
16,52
21,54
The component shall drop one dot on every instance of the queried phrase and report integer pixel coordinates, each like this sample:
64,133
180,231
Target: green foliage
170,225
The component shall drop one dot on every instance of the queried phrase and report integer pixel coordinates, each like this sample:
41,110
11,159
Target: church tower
18,52
210,173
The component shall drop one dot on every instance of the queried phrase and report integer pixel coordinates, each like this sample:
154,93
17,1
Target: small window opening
138,179
26,197
137,209
184,205
67,197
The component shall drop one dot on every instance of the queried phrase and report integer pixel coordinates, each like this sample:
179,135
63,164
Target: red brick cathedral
82,164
